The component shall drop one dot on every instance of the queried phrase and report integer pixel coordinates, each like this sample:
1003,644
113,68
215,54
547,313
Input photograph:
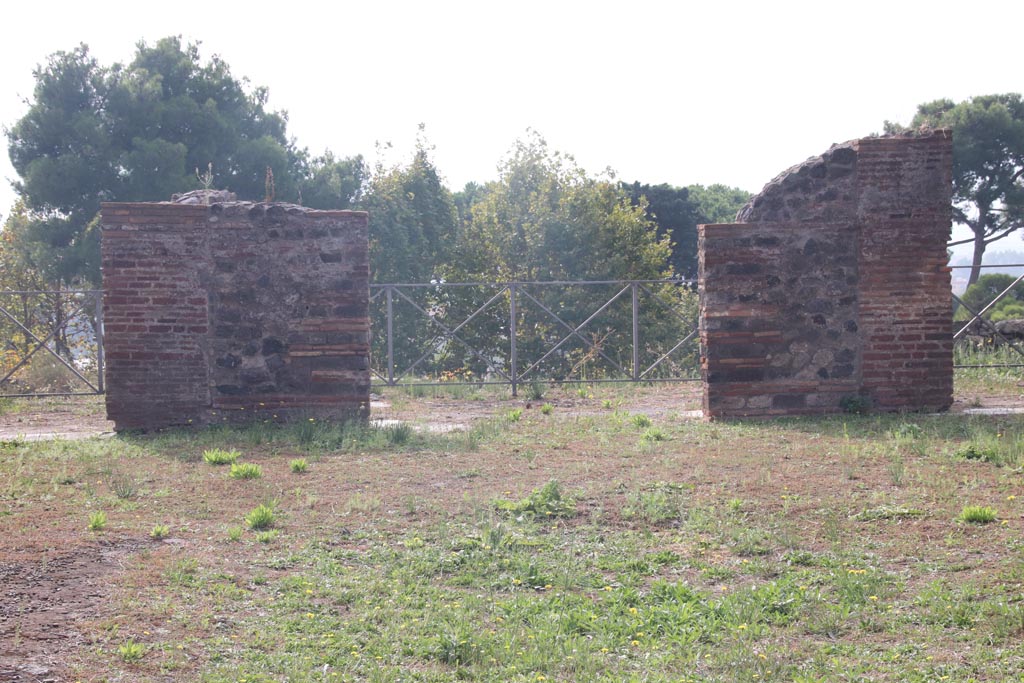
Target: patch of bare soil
981,401
44,598
70,418
675,399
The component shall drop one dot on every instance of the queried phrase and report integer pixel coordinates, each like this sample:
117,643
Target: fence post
98,296
391,341
636,331
512,337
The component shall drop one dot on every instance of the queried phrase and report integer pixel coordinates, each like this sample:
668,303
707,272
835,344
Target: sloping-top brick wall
834,285
234,311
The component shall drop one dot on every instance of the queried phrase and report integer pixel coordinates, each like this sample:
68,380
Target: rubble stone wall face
834,285
234,312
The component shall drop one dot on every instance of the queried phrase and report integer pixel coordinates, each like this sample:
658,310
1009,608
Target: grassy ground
585,541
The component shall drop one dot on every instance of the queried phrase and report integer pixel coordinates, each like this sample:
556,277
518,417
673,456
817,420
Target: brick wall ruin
833,285
234,311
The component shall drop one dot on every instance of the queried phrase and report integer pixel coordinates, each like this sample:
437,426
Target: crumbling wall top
822,188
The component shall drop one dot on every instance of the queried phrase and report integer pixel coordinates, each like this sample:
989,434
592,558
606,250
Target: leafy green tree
679,210
412,221
718,203
545,218
988,165
676,217
985,290
327,182
140,132
19,268
22,267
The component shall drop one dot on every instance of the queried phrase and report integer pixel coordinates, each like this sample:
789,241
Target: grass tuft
97,520
130,651
245,470
261,517
217,456
977,514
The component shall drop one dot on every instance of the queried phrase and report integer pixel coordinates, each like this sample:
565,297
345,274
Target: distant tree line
158,125
150,128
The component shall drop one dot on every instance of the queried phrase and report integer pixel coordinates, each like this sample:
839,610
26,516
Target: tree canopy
141,132
985,290
413,220
545,218
679,210
988,164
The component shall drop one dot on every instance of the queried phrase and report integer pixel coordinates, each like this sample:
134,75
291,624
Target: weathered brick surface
234,311
835,285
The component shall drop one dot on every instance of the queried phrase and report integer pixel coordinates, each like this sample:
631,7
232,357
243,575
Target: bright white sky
674,92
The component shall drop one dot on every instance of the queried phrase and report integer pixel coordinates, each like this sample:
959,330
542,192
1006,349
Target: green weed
661,503
123,487
97,520
298,466
130,651
536,390
652,434
855,404
266,536
887,512
261,517
159,531
398,434
546,501
641,421
217,456
977,514
245,470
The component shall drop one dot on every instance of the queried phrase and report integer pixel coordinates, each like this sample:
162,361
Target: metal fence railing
516,333
974,329
51,343
471,333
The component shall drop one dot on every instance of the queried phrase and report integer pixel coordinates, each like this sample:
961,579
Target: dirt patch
65,418
78,418
45,597
442,414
